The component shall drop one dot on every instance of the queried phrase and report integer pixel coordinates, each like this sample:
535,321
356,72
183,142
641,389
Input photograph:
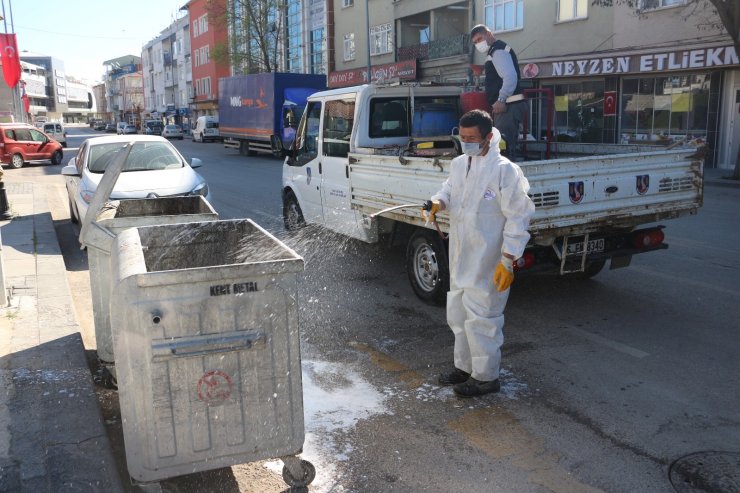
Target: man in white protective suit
486,196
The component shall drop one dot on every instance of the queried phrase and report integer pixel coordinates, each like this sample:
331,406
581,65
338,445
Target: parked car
129,129
172,132
120,127
21,143
154,168
206,128
99,125
56,131
110,128
153,127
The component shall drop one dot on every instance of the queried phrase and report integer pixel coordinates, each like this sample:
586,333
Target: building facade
167,74
51,93
205,69
658,75
124,90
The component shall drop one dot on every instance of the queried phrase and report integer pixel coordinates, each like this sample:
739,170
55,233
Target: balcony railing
440,48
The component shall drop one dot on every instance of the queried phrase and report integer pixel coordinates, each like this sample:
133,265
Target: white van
206,128
56,131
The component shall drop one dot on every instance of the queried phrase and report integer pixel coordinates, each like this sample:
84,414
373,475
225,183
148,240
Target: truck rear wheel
427,266
292,213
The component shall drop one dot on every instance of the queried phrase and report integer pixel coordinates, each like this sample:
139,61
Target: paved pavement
52,437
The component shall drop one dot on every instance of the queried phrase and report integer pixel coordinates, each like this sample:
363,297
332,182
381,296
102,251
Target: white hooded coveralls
489,213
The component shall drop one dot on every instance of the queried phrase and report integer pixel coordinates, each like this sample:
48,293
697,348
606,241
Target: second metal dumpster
205,332
105,219
117,216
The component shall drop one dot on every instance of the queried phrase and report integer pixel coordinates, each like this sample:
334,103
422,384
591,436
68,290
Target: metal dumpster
112,217
117,216
205,332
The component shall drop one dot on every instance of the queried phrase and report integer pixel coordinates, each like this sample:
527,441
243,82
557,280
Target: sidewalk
52,437
717,177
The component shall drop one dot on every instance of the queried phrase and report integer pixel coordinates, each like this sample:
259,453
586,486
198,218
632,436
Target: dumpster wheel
302,477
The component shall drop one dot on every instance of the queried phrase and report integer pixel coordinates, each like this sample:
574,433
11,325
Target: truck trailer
260,112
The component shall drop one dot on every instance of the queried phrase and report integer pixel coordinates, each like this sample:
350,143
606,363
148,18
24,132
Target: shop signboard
405,70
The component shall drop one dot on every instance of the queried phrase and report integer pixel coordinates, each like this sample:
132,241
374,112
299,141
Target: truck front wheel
292,214
427,267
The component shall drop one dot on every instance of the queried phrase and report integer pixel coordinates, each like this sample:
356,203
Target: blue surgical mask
472,148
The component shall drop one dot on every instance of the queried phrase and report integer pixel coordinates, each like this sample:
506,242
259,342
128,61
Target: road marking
499,434
617,346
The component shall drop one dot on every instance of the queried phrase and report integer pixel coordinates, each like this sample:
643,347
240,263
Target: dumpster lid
93,234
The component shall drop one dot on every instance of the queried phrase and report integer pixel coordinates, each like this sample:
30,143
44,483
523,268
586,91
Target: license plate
594,246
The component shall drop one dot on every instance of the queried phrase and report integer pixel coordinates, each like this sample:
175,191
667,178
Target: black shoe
455,376
473,387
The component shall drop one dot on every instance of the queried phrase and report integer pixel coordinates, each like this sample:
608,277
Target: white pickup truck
363,149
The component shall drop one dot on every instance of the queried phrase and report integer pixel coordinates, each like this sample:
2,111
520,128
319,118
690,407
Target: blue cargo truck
260,112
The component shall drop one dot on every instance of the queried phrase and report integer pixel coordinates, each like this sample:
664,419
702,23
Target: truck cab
364,119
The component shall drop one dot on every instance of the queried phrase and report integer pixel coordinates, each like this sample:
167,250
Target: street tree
710,14
255,30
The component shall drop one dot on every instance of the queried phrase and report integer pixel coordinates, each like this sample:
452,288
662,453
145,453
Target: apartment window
347,3
572,9
195,28
295,37
381,39
657,4
207,86
349,47
196,59
204,54
504,15
203,23
317,51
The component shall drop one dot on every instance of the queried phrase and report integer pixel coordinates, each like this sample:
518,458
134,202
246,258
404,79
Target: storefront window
579,112
662,110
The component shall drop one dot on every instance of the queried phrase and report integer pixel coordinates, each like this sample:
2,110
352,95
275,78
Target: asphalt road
606,382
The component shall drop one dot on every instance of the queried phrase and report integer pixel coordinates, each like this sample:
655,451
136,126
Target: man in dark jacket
503,89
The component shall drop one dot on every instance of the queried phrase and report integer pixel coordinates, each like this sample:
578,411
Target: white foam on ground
334,398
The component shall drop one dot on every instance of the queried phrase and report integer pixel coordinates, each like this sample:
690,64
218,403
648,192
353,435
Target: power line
73,35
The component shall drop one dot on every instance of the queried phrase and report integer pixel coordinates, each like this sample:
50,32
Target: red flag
24,97
610,103
11,62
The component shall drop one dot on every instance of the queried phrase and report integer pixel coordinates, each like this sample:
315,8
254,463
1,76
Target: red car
21,143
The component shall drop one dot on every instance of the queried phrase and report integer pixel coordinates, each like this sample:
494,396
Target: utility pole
367,31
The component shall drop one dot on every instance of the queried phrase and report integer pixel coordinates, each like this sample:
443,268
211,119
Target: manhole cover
709,472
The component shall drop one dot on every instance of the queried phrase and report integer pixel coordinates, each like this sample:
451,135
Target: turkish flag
11,62
24,97
610,103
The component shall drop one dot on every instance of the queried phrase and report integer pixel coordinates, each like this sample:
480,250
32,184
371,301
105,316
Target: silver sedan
154,168
172,132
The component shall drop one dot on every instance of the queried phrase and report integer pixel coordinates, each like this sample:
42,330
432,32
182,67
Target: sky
85,33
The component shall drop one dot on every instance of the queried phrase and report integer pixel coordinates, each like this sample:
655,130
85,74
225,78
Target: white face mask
482,46
472,148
